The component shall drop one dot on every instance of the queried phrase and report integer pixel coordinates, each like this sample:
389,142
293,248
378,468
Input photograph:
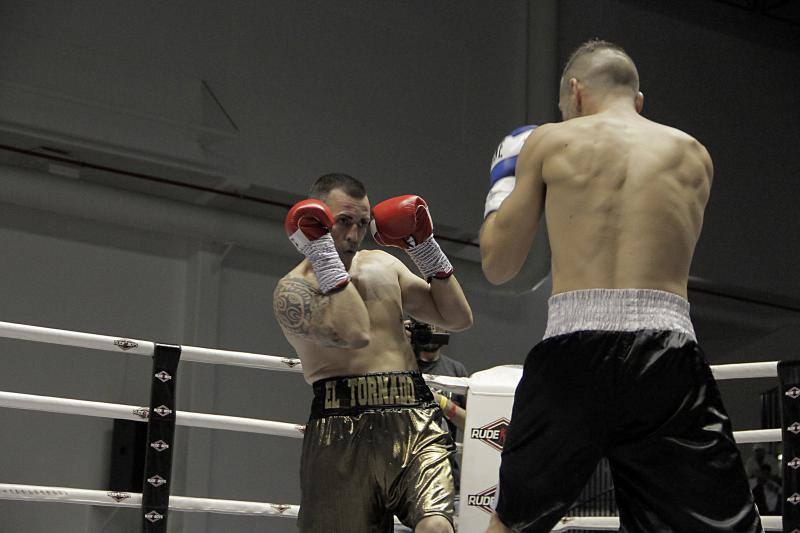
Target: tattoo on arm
300,309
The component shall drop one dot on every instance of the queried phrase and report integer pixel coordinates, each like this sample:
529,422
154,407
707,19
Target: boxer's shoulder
375,257
302,272
546,141
547,137
369,264
369,257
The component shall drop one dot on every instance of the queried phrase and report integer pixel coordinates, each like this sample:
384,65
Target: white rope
745,370
40,493
772,523
131,412
272,362
448,383
721,372
139,347
188,353
107,498
602,523
611,523
15,400
134,499
757,435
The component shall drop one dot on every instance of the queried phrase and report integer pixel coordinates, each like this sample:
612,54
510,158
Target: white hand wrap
497,194
326,263
430,259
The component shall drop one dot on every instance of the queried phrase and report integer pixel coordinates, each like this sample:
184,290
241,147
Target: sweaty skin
360,328
623,198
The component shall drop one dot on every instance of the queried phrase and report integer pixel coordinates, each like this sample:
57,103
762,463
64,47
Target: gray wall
409,96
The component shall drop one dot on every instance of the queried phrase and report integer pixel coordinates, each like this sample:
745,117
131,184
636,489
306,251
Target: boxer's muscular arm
440,302
507,234
708,165
337,319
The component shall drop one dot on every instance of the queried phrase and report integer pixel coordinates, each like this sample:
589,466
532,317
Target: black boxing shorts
374,447
619,375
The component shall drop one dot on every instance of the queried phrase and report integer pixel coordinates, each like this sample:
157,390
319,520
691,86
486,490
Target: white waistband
617,310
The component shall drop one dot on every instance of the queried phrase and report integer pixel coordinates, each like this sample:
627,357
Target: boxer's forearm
347,317
503,251
451,303
514,203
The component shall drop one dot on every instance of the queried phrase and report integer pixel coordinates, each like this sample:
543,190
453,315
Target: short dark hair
328,182
617,73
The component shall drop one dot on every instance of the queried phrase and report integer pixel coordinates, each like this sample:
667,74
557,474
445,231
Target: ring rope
611,523
134,499
272,362
206,355
196,354
767,369
139,347
68,406
40,493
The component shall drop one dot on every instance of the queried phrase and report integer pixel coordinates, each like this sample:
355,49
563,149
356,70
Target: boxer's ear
575,89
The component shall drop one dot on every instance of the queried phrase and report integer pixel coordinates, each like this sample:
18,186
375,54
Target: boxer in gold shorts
377,440
373,446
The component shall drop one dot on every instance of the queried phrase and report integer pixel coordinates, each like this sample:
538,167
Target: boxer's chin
347,257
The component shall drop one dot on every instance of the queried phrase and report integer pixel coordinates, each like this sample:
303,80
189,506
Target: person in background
427,342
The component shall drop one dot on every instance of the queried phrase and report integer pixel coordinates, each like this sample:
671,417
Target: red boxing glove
308,225
402,221
307,221
405,222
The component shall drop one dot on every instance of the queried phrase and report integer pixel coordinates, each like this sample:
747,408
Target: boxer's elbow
358,340
497,272
342,342
348,330
494,269
343,339
462,322
356,333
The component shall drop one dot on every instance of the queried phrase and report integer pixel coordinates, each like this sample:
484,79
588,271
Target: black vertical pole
789,376
160,439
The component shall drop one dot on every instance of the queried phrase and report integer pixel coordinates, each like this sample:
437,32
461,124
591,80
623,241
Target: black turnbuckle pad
160,439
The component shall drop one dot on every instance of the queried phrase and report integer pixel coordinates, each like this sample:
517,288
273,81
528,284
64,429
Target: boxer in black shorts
619,373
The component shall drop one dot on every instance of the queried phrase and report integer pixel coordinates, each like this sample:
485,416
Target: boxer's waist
350,395
617,310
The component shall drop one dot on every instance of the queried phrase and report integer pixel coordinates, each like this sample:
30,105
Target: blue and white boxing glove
502,176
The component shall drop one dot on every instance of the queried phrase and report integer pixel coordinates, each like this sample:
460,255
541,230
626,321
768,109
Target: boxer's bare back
624,203
623,198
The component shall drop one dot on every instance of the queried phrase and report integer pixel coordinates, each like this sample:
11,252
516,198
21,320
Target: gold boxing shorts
374,447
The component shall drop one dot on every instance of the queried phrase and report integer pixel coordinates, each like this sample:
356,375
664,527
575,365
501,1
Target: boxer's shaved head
601,66
328,182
